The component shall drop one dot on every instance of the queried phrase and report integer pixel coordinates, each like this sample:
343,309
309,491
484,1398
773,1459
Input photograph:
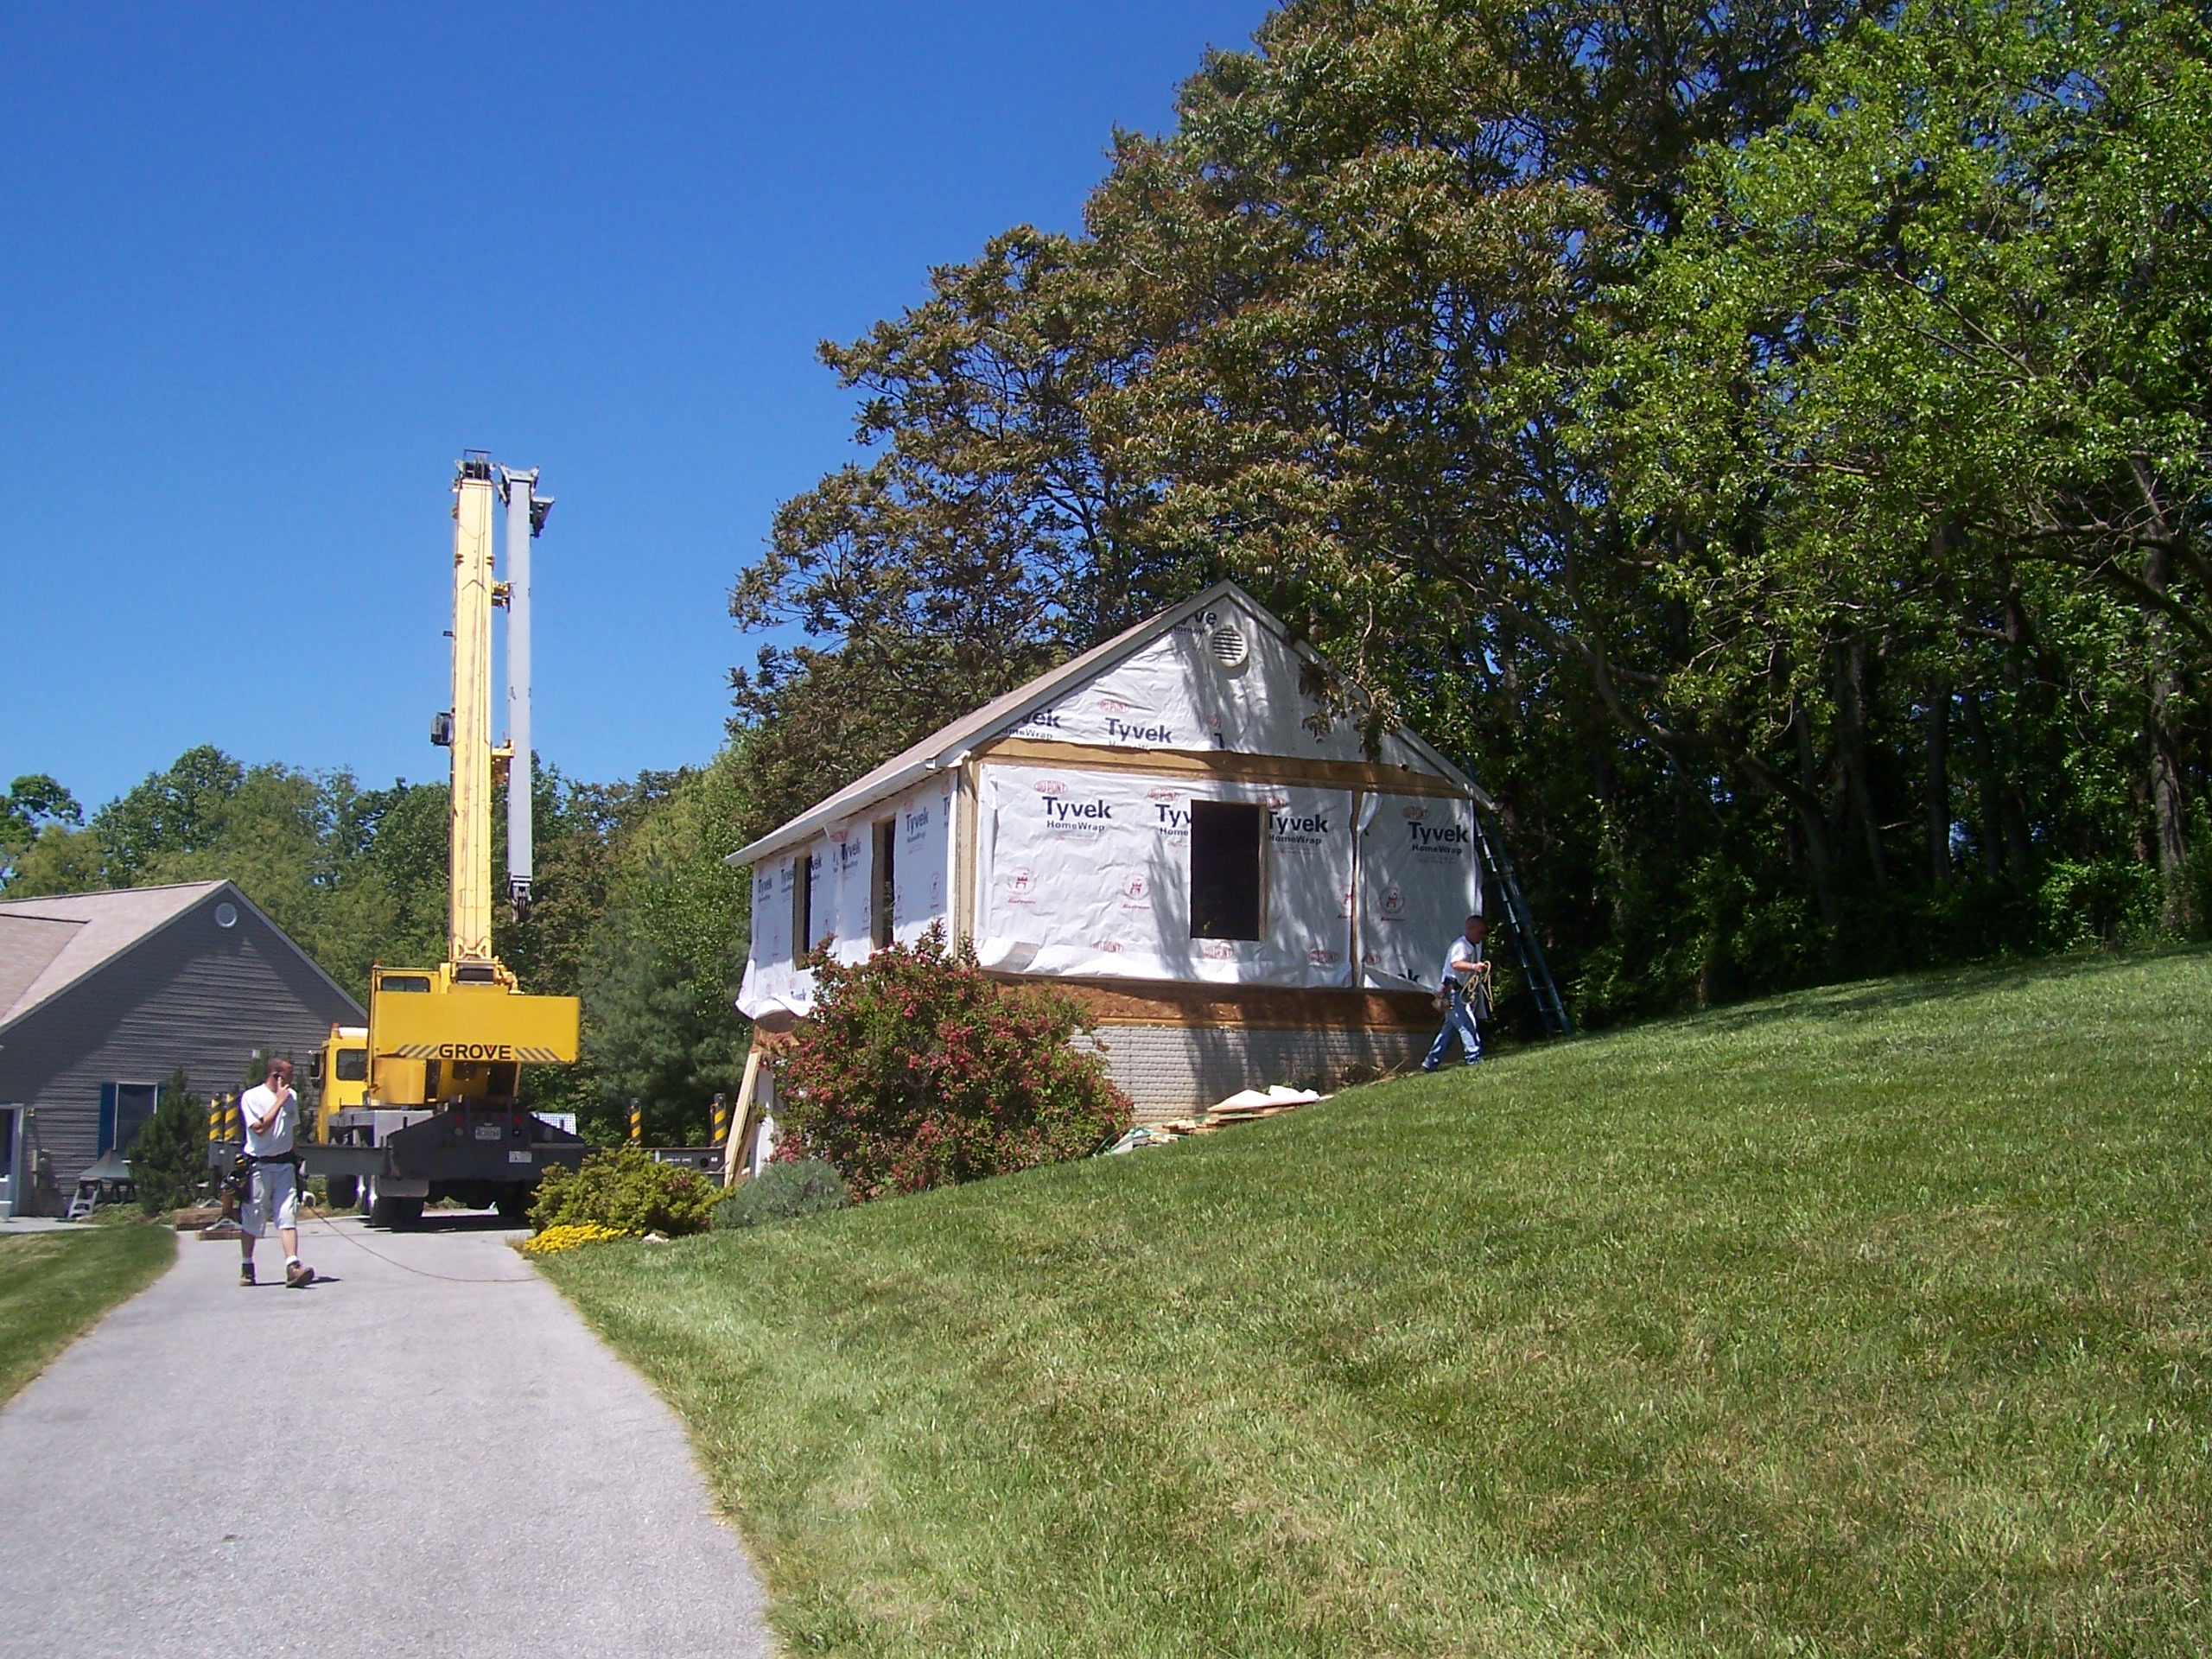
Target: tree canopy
1765,444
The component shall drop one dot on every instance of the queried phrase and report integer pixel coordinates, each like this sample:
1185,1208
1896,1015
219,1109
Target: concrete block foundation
1172,1071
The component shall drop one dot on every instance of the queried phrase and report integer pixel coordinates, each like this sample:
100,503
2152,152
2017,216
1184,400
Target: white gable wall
1172,693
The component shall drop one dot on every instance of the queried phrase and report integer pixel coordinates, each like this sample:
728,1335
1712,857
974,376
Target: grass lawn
55,1286
1871,1320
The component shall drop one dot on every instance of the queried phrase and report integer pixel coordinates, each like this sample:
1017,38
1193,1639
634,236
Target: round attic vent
227,914
1227,643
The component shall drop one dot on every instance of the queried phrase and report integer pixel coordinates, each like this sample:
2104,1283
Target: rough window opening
1225,870
887,841
802,906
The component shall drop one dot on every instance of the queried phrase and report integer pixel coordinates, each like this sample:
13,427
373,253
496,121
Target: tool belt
237,1186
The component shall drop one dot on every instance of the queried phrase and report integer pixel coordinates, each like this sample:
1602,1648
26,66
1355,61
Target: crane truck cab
340,1068
440,1107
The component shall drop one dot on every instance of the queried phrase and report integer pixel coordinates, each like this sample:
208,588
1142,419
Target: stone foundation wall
1171,1071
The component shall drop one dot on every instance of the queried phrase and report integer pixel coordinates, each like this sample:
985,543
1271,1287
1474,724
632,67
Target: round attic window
1227,646
227,914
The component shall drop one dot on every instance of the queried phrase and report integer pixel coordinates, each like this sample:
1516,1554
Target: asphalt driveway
386,1463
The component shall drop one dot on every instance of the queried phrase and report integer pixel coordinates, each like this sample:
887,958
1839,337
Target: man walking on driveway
271,1112
1466,987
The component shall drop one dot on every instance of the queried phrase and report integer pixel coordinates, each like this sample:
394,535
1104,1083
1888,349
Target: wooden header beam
1224,766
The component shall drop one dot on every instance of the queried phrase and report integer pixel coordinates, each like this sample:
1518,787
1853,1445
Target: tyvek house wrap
1088,873
1419,880
1175,693
842,871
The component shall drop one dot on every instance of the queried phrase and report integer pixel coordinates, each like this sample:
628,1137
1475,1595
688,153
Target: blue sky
267,270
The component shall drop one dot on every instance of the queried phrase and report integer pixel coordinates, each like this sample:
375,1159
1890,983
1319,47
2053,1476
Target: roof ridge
105,892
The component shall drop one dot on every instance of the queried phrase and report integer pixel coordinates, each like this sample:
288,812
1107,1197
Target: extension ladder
1550,1008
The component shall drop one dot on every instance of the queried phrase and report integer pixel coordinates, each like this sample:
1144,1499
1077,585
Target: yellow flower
569,1235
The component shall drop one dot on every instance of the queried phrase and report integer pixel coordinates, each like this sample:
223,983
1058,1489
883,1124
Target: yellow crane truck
422,1103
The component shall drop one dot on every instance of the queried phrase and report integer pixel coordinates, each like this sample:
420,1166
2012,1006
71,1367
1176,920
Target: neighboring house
103,994
1170,826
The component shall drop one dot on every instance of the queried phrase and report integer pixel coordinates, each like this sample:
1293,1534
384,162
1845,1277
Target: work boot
246,1273
298,1274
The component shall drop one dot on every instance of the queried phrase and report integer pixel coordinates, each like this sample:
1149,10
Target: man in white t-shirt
1466,983
271,1112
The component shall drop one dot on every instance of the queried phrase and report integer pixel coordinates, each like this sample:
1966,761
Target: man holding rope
1463,994
271,1112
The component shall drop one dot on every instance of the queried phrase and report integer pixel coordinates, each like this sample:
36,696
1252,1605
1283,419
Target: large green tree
1760,442
1926,370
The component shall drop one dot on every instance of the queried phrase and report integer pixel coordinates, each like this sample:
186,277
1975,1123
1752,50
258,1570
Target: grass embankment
55,1286
1869,1321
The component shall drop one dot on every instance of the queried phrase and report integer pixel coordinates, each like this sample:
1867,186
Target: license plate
518,1157
488,1132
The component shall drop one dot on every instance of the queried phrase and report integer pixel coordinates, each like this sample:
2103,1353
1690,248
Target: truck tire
344,1190
395,1213
513,1204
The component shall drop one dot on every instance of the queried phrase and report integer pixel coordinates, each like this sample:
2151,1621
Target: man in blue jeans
1466,983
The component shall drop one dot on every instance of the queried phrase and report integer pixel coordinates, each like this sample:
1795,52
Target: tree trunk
1851,719
1987,776
1939,779
2169,811
1819,846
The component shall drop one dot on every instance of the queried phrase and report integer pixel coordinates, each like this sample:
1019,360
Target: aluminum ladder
1551,1009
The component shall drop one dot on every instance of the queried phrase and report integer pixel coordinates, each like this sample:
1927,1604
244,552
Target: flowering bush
626,1192
918,1070
567,1236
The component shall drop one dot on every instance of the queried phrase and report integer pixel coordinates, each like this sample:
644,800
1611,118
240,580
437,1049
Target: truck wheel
513,1204
398,1214
344,1190
394,1213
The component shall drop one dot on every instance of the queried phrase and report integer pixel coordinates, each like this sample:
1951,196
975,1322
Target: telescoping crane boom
424,1102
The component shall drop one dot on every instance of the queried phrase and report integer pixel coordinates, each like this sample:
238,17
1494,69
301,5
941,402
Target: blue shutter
107,1119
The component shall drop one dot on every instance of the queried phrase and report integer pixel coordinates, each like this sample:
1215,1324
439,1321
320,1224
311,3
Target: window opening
1225,869
802,906
353,1065
886,841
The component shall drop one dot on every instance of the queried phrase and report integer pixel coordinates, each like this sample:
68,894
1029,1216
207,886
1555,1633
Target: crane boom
468,905
526,512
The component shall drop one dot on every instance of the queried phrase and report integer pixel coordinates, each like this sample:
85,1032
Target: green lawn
55,1286
1871,1320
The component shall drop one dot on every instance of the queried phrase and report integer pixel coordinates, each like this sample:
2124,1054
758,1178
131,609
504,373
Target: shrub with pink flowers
918,1070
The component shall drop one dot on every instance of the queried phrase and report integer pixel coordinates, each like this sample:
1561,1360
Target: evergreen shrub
918,1069
169,1160
625,1191
803,1186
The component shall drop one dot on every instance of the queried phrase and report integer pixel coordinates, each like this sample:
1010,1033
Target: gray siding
192,994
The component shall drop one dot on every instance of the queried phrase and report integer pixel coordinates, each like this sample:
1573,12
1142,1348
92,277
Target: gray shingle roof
49,945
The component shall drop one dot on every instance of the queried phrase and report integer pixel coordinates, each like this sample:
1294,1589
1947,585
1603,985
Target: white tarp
1420,881
1089,873
1176,694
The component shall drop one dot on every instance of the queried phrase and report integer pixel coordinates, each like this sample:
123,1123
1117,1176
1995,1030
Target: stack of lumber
1244,1107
